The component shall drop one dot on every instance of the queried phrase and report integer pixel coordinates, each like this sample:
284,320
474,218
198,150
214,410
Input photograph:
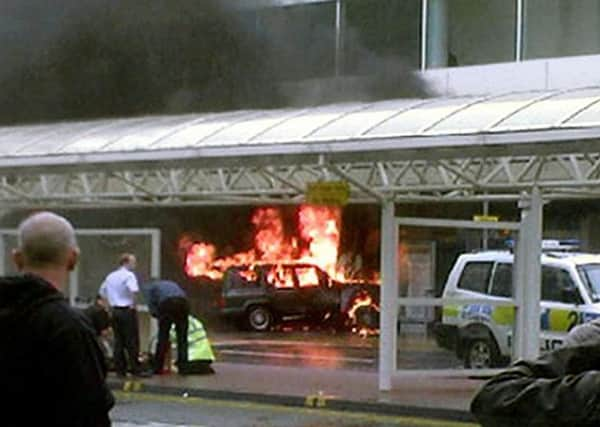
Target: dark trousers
126,334
172,311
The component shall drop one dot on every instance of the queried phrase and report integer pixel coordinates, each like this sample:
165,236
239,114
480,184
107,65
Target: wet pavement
148,410
314,349
311,369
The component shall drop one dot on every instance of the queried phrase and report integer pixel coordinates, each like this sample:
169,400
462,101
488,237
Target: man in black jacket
560,388
53,370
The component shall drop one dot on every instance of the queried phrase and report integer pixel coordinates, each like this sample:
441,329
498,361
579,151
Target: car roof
554,257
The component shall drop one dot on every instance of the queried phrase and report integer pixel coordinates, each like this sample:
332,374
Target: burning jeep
262,295
286,276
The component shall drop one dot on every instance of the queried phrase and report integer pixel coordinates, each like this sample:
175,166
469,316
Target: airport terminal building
504,120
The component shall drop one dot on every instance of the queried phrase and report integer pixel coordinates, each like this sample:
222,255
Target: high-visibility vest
199,347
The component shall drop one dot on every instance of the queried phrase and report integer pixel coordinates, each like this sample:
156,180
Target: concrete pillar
437,33
528,277
388,296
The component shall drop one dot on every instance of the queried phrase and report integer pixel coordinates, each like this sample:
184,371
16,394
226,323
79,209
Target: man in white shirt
119,290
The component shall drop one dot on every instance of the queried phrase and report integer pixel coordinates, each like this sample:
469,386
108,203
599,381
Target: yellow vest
199,347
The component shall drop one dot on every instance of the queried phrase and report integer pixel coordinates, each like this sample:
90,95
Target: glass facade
377,30
468,32
555,28
354,37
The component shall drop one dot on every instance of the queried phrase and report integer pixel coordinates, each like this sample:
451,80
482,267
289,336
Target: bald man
51,362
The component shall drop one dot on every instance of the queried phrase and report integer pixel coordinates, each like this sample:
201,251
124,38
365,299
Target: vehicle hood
19,296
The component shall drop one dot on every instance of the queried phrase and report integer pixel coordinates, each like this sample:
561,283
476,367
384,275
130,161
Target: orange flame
361,301
317,242
319,226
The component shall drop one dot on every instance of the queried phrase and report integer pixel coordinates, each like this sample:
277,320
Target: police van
481,334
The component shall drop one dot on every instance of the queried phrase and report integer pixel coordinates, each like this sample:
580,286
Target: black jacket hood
19,295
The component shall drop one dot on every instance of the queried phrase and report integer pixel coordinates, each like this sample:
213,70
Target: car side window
476,276
554,282
281,277
307,276
502,280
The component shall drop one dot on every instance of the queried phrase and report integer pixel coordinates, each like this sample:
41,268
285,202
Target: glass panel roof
298,127
245,131
550,112
590,116
97,136
14,139
142,136
364,118
343,122
414,121
201,128
482,115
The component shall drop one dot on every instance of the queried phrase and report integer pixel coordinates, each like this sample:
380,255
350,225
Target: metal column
155,255
339,37
528,275
389,296
436,43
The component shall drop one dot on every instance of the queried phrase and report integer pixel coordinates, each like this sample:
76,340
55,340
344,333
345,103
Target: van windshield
590,274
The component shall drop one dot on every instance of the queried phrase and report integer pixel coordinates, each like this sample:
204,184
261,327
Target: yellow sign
334,193
486,218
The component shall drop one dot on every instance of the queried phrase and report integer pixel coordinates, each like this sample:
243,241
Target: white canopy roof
409,148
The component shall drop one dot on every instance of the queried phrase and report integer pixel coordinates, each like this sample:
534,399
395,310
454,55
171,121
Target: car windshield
590,274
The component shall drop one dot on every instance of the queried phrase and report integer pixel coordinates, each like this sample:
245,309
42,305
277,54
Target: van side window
554,280
476,276
502,280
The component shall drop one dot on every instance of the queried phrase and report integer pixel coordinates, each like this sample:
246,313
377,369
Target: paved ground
147,410
445,396
301,368
321,349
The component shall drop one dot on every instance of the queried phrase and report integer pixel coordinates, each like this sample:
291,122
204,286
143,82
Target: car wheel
367,317
481,354
259,318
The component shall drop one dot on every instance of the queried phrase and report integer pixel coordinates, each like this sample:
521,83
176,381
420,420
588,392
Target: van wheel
481,353
259,318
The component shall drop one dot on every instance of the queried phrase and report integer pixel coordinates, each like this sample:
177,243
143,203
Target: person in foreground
560,388
53,370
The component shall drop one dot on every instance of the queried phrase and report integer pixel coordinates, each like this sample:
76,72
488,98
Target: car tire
480,353
259,318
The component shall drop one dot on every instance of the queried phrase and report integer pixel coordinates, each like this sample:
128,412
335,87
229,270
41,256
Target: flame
269,241
319,226
316,241
363,300
280,277
199,261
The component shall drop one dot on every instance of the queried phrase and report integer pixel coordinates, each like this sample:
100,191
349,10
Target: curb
310,401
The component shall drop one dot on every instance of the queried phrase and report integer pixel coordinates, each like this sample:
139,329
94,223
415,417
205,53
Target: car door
311,289
558,314
283,290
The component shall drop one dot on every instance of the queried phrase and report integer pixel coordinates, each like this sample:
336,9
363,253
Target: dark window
467,32
561,28
379,32
476,276
502,280
554,282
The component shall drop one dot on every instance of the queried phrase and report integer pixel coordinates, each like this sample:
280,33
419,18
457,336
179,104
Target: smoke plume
79,59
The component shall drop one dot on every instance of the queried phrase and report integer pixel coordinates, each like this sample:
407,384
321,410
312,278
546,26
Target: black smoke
78,59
